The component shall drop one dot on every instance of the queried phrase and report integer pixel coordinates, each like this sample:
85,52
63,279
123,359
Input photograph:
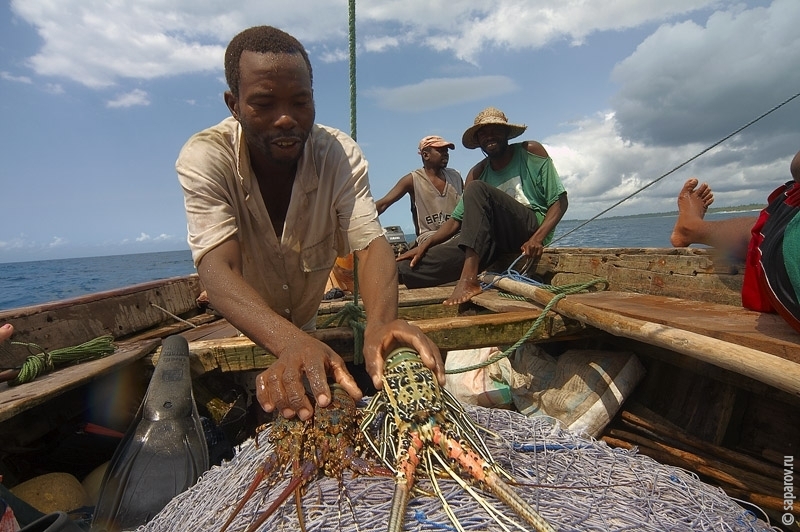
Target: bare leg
731,236
468,285
693,203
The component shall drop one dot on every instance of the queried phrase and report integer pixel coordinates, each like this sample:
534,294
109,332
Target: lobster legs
329,442
429,428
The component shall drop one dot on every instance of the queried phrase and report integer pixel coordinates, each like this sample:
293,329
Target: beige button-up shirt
331,213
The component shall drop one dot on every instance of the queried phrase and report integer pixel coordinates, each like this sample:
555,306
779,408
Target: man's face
493,139
275,106
436,157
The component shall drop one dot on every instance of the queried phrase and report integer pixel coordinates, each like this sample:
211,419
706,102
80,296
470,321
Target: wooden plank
498,302
690,273
766,332
682,367
405,298
778,372
416,304
17,399
119,313
465,332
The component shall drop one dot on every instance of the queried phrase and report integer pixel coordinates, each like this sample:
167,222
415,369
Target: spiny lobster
425,424
330,441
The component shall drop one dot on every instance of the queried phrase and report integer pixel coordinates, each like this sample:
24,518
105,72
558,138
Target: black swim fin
164,451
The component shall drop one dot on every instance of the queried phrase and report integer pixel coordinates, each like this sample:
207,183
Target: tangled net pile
575,483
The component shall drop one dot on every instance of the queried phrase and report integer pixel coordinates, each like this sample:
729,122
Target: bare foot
6,331
693,202
464,290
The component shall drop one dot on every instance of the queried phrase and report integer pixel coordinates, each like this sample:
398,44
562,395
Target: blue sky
99,97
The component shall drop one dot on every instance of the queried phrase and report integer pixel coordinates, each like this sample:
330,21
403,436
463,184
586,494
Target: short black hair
260,39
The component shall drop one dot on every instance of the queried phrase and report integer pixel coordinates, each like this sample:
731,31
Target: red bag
767,287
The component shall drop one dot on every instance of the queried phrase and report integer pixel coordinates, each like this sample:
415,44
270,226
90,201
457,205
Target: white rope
576,484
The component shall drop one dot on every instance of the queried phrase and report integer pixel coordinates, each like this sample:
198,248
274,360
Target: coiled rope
42,361
560,292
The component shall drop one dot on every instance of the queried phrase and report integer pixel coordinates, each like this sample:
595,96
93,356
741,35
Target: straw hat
490,115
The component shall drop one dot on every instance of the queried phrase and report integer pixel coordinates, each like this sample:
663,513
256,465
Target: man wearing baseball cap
512,202
434,191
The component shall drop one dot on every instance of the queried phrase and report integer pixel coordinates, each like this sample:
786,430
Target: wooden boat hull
715,373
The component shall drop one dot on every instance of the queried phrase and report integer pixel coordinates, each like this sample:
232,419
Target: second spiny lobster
328,442
424,424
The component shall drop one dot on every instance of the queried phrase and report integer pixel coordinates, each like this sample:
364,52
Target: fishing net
575,483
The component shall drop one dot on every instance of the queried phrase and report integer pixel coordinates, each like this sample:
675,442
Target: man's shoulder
326,142
225,128
326,135
219,138
478,169
534,147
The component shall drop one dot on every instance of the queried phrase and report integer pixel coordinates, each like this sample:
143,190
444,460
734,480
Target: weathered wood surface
464,332
764,332
120,313
778,372
17,399
416,304
690,273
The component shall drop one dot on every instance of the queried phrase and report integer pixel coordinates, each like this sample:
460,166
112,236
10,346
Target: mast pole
352,39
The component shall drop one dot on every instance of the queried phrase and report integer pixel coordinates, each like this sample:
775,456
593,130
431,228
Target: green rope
352,43
43,361
560,293
352,315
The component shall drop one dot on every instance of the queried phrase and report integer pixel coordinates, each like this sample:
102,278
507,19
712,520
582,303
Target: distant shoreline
739,208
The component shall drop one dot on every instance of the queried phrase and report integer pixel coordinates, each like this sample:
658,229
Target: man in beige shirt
271,200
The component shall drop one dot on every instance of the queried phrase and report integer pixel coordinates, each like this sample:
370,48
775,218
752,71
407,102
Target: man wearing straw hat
512,202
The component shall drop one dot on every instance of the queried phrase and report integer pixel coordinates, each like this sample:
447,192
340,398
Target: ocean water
31,283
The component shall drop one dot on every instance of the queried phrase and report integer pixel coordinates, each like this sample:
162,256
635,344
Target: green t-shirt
530,179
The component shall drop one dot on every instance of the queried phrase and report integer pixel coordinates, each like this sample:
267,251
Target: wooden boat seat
17,399
765,332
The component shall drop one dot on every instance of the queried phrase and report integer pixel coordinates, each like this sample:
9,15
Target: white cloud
53,88
699,75
98,44
130,99
441,92
8,76
12,244
600,168
334,56
380,43
145,237
57,241
467,30
690,82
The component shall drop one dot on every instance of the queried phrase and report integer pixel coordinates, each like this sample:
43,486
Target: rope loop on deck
42,361
560,292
